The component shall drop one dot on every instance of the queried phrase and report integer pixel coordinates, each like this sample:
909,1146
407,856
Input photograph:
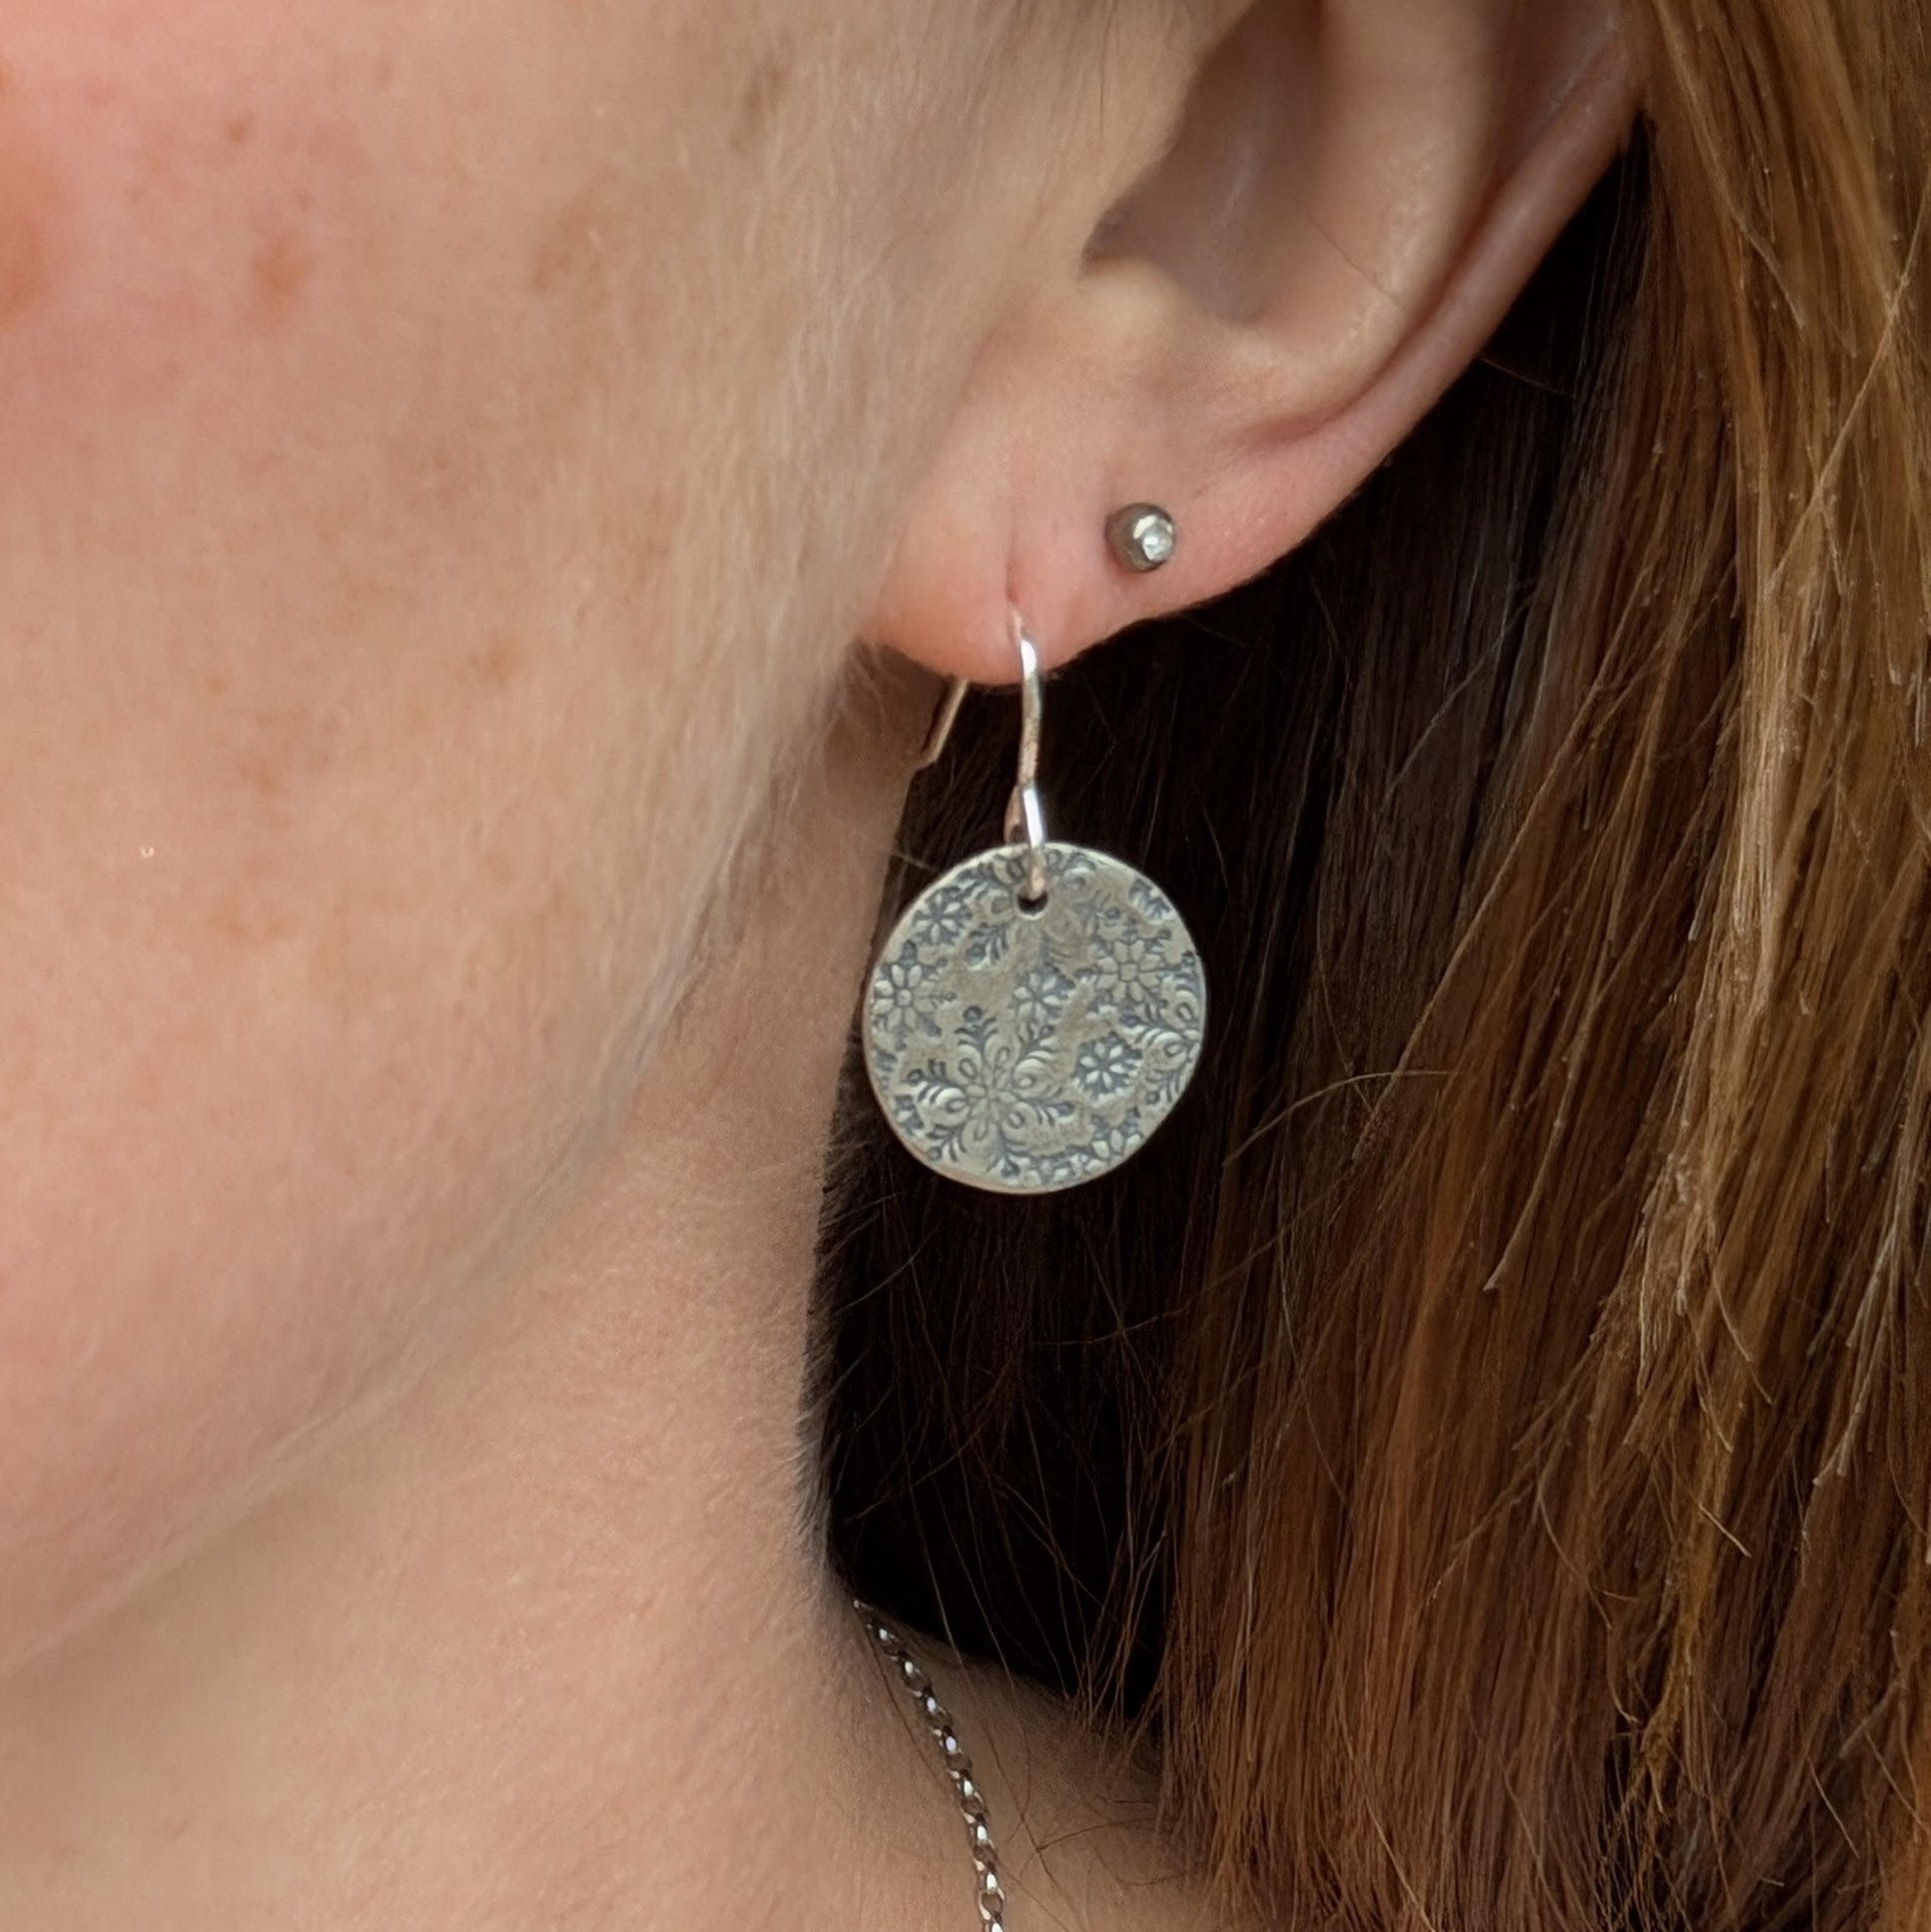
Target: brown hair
1485,1438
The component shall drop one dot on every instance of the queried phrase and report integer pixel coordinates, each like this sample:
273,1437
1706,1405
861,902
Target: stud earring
1142,536
1037,1011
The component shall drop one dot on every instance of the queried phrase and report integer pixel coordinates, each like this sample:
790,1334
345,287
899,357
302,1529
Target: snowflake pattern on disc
1028,1050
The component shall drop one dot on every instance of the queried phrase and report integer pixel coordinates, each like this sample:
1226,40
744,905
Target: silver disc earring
1039,1010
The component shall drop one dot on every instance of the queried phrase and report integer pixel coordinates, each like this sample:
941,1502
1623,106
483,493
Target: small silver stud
1142,536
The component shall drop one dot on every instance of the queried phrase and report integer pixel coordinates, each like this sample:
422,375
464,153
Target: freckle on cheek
763,92
569,251
278,271
31,194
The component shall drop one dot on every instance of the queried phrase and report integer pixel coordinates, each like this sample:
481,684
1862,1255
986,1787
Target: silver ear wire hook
942,720
1025,817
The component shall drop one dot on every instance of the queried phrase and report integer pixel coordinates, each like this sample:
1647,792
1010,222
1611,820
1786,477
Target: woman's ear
1357,192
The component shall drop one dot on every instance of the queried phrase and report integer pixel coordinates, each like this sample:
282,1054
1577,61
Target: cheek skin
443,453
326,776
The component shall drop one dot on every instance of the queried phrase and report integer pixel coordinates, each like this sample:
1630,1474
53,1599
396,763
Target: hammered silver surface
1028,1050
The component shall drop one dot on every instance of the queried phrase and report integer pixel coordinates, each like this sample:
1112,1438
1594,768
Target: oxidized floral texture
1027,1049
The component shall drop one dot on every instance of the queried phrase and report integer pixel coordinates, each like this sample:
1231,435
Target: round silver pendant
1029,1048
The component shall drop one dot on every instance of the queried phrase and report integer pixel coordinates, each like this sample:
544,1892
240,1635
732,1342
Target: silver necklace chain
958,1767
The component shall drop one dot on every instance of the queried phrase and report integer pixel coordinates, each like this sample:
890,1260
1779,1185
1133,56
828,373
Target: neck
551,1640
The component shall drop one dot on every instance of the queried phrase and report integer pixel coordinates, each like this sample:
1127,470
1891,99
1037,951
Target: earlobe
1357,195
